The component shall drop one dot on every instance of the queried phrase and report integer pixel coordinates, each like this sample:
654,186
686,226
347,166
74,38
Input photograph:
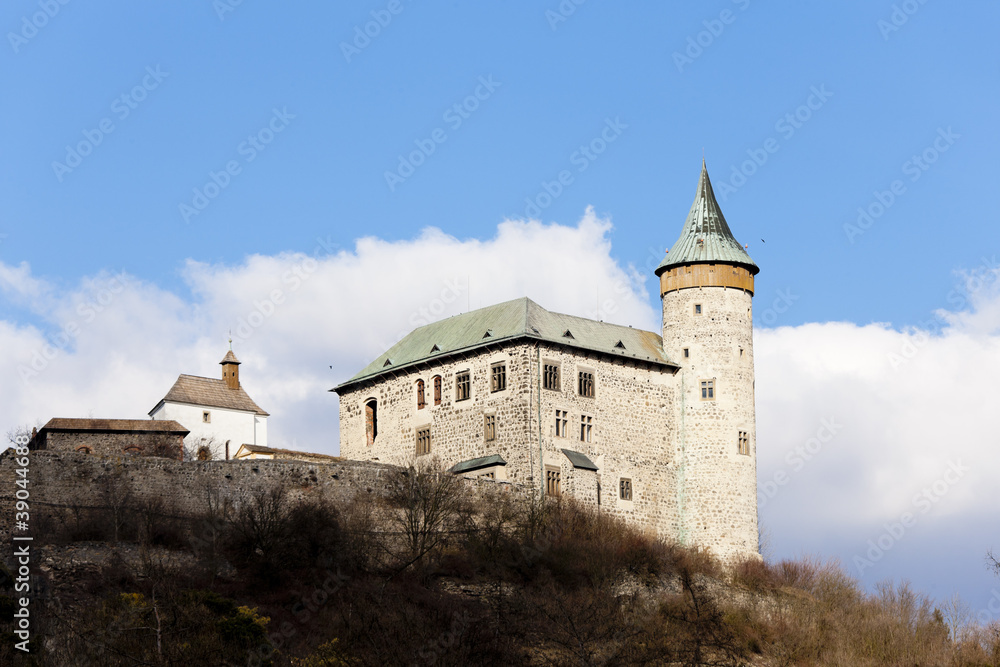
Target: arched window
204,453
133,450
371,421
421,403
83,449
437,390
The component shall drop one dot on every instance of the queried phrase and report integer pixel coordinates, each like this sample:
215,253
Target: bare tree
427,502
116,491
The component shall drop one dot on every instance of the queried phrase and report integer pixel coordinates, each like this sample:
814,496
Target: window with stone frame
421,402
625,488
206,417
586,384
562,423
552,481
463,386
697,309
371,421
437,390
550,376
498,377
423,441
708,390
744,443
489,428
586,426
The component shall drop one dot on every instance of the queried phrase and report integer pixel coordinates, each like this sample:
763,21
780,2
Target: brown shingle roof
144,425
230,358
285,453
210,392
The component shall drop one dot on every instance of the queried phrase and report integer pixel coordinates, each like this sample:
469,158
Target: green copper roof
579,460
706,238
477,464
518,319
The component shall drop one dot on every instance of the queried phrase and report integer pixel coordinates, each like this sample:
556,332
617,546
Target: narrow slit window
421,403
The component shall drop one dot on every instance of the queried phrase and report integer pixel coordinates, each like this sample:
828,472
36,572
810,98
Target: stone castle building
657,428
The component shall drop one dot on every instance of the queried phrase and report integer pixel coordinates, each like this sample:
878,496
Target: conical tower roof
706,238
230,358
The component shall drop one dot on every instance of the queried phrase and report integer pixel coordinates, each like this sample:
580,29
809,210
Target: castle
658,429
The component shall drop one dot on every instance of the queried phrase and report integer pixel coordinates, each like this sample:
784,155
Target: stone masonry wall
115,444
717,484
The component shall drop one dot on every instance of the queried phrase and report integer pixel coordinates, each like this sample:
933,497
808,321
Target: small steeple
706,237
231,368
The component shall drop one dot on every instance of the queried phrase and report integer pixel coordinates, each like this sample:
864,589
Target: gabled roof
115,425
508,321
706,237
579,460
284,453
477,464
211,393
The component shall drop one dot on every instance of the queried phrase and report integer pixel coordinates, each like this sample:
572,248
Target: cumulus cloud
301,322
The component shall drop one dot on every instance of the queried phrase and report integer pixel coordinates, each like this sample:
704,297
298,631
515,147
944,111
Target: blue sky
805,112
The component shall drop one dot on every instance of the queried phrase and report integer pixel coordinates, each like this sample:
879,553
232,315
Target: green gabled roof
508,321
579,460
478,464
706,237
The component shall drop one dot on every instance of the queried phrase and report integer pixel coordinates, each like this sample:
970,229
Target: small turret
231,370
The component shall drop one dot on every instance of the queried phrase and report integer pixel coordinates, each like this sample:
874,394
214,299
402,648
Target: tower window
489,428
371,421
586,426
498,377
437,390
206,417
697,309
463,388
550,377
625,488
586,383
552,479
687,353
562,417
423,441
744,444
708,390
421,403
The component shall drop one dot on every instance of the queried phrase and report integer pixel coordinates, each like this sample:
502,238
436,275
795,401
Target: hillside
407,567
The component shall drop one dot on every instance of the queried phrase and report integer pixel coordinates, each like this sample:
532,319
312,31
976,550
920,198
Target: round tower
706,285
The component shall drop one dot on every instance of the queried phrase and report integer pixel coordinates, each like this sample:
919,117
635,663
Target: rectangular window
423,441
586,384
562,417
498,377
206,417
552,476
421,403
490,427
463,388
437,390
708,390
550,377
744,443
489,475
625,488
687,353
586,425
697,309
